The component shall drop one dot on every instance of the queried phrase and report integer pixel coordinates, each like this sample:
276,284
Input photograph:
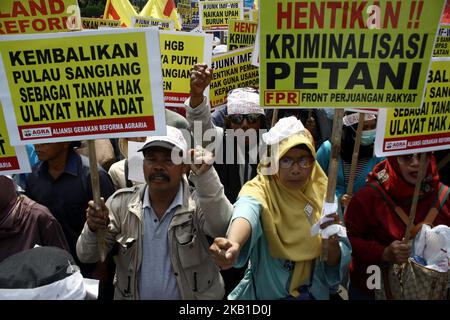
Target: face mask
329,112
368,137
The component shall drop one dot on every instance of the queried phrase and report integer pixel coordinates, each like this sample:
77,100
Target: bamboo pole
333,168
412,212
96,195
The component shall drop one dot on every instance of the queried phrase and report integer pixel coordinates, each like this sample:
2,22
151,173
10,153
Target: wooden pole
274,117
333,168
412,212
351,179
96,195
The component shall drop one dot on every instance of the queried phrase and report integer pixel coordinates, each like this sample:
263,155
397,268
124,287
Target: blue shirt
67,196
157,280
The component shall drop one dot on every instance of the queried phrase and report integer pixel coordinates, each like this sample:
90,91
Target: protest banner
446,14
121,10
442,44
39,16
162,24
214,15
402,130
96,23
232,70
82,85
12,159
253,15
241,34
355,54
179,52
188,10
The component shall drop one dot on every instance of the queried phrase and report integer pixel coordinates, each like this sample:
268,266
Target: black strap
247,164
128,182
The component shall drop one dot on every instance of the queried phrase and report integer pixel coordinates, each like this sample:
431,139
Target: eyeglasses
408,158
303,162
239,118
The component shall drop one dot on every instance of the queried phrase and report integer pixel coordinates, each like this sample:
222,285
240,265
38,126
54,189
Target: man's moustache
154,176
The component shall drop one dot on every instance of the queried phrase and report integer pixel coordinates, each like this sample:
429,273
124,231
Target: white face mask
368,137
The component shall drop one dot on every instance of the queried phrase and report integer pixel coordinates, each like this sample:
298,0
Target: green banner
346,53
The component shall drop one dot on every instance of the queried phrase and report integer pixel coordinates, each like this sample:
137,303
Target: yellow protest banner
253,15
241,33
214,15
442,44
95,23
162,24
82,85
179,52
12,159
188,10
39,16
358,54
232,70
403,130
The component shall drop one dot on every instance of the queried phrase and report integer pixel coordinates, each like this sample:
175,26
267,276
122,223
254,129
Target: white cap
174,138
221,48
243,101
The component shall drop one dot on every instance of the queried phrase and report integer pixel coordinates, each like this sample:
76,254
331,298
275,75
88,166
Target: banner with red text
357,54
39,16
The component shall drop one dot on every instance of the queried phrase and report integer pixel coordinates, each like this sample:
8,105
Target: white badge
308,210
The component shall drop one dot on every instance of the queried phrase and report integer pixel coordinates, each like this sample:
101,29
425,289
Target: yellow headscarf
284,219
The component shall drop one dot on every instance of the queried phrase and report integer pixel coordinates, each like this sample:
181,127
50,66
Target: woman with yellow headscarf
272,221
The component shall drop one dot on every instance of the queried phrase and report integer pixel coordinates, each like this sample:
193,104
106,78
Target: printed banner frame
428,127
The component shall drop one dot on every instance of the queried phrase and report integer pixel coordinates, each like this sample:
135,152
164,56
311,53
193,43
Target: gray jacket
205,211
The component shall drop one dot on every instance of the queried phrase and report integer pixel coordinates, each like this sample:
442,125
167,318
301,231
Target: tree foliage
92,8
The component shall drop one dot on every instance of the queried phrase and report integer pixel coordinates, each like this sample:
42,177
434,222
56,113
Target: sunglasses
239,118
